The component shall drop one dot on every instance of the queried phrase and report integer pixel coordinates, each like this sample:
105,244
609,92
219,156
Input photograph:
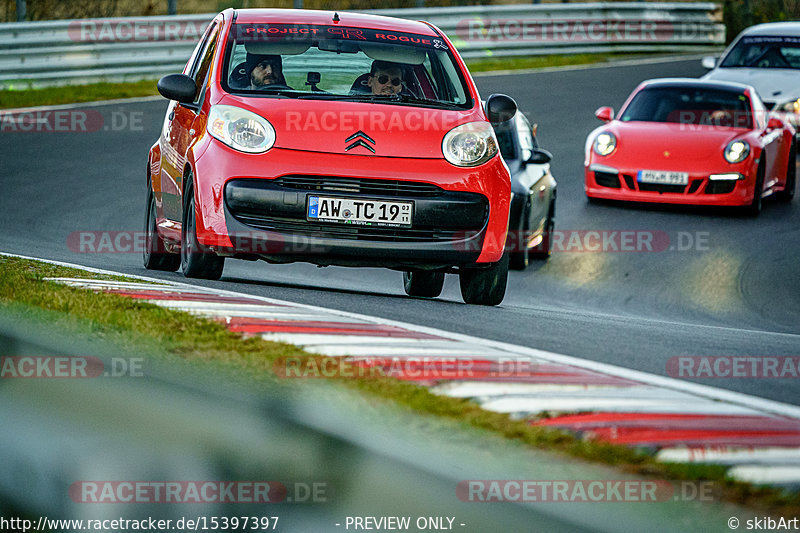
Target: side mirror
500,108
606,114
540,157
774,123
709,62
178,87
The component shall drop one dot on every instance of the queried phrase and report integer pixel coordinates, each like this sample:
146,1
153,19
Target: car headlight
240,129
605,143
736,151
470,145
792,106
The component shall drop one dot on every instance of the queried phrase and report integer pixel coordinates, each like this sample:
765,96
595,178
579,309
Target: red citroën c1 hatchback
335,139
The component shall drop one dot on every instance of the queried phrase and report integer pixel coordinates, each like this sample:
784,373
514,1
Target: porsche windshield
765,52
341,63
690,105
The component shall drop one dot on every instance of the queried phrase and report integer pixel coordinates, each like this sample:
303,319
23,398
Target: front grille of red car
359,185
720,187
694,186
337,231
280,205
658,187
629,181
607,179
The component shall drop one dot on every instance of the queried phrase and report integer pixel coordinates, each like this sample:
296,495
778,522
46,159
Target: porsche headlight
605,143
240,129
469,145
736,151
792,106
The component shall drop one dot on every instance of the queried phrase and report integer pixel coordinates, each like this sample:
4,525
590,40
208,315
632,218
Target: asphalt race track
725,285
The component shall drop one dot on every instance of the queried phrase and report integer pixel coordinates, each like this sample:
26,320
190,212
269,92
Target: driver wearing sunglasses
385,78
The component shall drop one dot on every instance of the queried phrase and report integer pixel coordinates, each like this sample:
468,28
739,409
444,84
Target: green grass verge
205,343
529,62
70,94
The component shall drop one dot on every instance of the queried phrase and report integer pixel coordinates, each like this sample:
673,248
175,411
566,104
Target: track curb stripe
645,409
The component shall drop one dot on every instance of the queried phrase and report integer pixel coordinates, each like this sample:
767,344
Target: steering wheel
771,57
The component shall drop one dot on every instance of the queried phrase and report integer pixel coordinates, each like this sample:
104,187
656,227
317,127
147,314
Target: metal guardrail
126,49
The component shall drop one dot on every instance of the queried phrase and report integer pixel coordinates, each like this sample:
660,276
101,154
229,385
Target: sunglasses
383,78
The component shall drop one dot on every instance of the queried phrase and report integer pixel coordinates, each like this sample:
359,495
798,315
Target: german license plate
359,212
662,177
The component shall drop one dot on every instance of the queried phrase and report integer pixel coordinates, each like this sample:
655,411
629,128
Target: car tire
154,254
787,194
195,261
485,286
519,256
758,191
427,284
542,251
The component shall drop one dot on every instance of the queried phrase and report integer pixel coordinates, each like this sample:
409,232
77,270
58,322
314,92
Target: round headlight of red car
240,129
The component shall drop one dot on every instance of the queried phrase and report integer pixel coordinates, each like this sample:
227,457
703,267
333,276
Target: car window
690,105
760,112
525,134
505,139
191,65
332,62
764,52
204,62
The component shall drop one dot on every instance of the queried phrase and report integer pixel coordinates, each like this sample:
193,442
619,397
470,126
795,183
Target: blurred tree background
68,9
739,14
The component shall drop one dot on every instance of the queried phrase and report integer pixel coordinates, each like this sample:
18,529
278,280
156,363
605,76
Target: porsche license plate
359,212
663,178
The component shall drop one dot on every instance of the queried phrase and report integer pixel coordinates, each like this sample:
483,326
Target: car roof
696,83
774,28
346,19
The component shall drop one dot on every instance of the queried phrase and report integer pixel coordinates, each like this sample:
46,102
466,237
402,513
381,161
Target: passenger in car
385,78
268,71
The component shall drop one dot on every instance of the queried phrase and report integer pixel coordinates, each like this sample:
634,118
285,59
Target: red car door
181,132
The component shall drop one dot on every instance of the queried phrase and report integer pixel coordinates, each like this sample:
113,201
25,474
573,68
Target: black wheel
196,262
543,249
787,193
755,206
485,286
423,283
154,254
518,255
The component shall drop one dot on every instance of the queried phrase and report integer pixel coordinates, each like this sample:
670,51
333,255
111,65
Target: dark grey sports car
533,192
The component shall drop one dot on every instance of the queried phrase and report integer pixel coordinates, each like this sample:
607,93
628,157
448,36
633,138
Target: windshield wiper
407,99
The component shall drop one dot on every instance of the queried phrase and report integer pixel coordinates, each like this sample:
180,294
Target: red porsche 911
689,141
335,139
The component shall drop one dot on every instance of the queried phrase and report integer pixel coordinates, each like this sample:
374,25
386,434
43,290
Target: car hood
668,146
357,128
772,84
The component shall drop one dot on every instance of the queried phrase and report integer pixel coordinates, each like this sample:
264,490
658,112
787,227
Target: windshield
765,52
690,105
341,63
